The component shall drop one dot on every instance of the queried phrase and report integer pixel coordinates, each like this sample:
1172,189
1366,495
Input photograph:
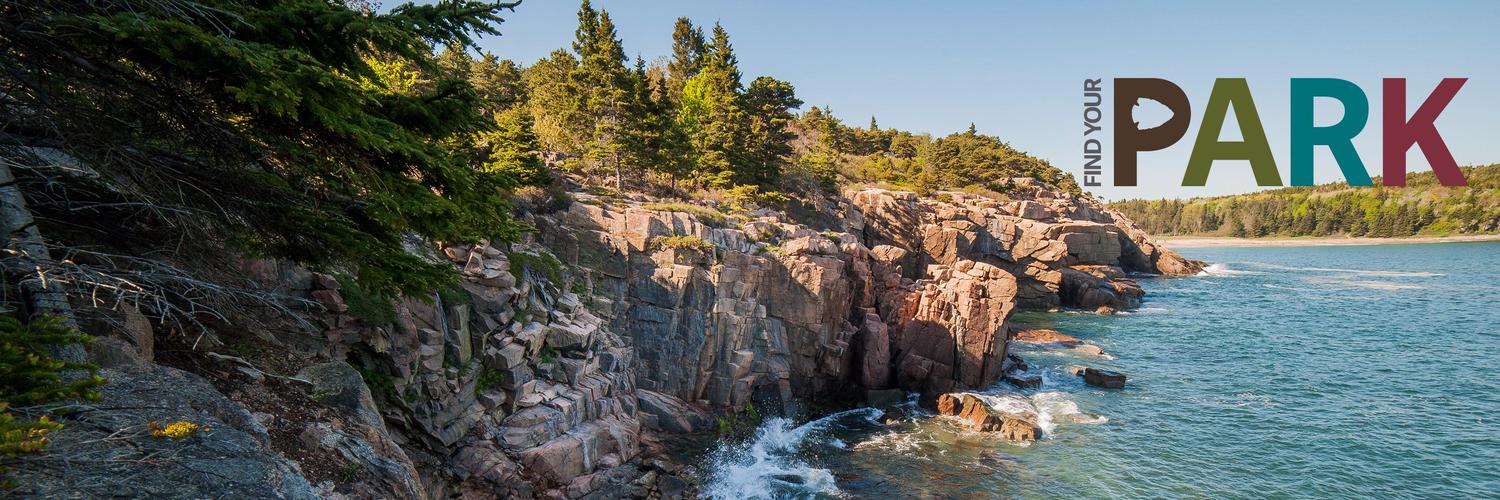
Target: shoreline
1199,241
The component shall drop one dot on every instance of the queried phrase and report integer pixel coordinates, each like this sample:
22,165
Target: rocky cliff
550,368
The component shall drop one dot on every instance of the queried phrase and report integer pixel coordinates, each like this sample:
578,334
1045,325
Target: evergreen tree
653,140
498,82
605,89
719,54
512,147
688,46
712,117
267,124
770,103
555,103
454,61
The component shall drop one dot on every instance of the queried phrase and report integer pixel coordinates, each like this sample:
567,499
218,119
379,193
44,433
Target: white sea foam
1367,284
905,442
1222,269
1361,272
1049,408
759,469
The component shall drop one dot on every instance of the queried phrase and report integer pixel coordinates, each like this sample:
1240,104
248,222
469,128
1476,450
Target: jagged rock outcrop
911,292
545,371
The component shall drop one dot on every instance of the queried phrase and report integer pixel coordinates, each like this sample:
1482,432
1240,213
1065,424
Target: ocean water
1324,372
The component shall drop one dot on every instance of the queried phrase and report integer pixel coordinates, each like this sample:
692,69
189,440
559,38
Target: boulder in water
980,416
1024,381
1102,378
1020,431
892,415
1045,335
789,478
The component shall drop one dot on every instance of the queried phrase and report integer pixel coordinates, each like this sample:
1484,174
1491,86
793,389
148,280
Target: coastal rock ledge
550,370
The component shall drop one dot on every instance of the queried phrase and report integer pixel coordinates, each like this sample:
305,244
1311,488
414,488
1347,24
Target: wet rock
1102,378
1047,337
1020,431
789,478
884,398
1044,335
893,415
980,416
1023,381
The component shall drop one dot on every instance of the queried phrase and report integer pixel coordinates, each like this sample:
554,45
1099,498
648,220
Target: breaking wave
1221,269
768,466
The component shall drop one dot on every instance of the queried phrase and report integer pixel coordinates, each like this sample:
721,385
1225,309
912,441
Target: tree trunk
24,253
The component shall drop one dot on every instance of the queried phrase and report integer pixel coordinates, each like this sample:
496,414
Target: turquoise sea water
1327,372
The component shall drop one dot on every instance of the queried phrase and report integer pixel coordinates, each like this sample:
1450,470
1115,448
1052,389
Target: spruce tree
688,46
712,116
553,98
264,124
719,54
606,89
770,103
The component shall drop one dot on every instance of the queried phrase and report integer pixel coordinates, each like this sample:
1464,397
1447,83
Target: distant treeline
1422,207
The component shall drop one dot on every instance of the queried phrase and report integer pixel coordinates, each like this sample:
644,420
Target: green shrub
370,307
749,196
455,294
488,378
378,381
681,242
544,264
707,216
29,375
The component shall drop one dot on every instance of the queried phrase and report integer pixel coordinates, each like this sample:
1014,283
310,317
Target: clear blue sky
1015,69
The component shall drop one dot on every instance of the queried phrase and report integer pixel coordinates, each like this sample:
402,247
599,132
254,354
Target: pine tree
653,139
688,46
266,123
498,82
712,116
555,103
588,29
454,61
770,103
607,91
719,55
511,148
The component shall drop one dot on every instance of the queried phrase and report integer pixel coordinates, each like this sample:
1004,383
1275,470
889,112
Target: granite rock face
908,292
546,370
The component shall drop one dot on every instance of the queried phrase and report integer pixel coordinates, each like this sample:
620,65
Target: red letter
1400,134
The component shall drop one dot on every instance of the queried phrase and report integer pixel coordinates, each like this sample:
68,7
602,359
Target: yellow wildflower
175,430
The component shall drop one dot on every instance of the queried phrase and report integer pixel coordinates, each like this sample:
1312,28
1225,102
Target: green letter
1339,137
1254,148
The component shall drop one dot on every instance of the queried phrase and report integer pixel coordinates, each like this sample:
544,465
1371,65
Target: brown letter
1129,138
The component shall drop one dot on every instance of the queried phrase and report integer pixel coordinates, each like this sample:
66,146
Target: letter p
1129,138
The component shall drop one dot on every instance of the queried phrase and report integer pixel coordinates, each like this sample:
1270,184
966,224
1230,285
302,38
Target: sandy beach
1192,241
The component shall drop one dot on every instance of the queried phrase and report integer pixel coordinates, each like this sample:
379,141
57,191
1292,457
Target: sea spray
768,466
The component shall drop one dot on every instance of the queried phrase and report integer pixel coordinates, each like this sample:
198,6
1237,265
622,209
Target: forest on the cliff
1423,207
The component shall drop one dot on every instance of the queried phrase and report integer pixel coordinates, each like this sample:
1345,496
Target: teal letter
1339,137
